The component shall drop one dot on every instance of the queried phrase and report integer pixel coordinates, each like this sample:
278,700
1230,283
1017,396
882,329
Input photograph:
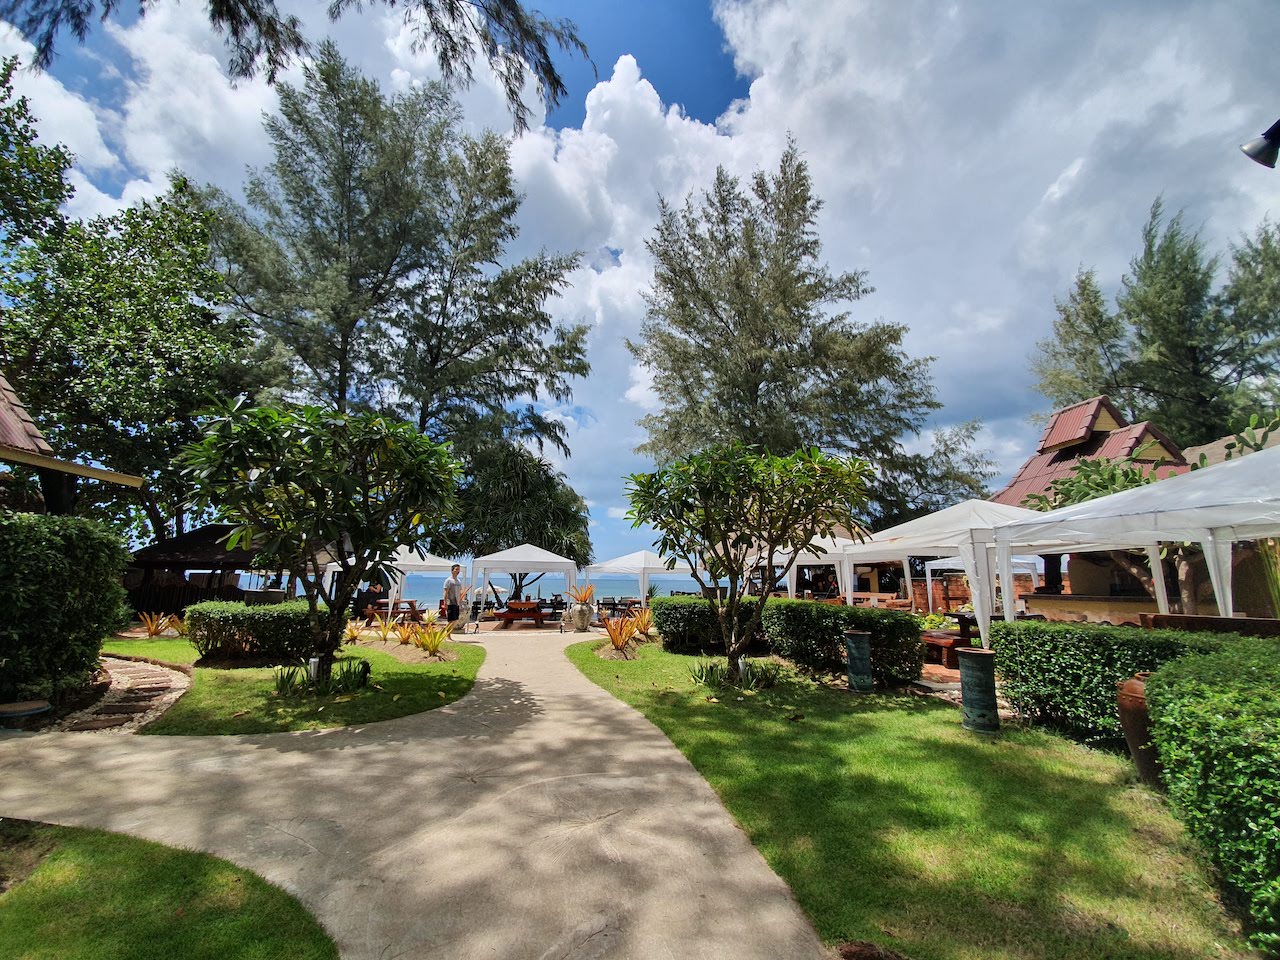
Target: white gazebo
525,558
963,530
825,551
1023,564
1215,507
643,564
406,561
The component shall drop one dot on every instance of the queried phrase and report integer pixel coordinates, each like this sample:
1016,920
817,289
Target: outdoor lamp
1264,149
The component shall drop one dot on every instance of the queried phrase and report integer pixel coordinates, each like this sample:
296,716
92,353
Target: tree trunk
59,491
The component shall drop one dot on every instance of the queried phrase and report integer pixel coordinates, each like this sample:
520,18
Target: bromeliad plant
430,637
384,627
643,620
720,508
155,623
582,594
621,630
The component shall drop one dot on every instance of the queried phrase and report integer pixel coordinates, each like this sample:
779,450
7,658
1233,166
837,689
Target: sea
429,588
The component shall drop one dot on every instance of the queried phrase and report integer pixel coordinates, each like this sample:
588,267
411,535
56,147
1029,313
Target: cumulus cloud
971,157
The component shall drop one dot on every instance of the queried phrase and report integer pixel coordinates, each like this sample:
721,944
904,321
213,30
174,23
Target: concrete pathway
538,817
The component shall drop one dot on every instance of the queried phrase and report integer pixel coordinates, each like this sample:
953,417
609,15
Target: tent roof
407,561
955,563
1236,500
939,534
642,561
823,550
525,558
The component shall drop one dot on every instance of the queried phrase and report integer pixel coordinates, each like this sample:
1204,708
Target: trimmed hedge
1216,724
61,578
230,630
811,635
689,624
1065,674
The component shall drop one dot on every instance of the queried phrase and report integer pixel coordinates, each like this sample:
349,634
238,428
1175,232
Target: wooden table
404,611
522,610
968,622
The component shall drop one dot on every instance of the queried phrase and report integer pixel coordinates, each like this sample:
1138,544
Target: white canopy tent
407,561
525,558
643,564
1215,507
1024,564
826,551
963,530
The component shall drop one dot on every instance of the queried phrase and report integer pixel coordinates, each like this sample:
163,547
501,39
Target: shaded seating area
170,575
526,558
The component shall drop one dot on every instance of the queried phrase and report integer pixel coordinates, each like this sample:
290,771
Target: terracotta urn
1131,698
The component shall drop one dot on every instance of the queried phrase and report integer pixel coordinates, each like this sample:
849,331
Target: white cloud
617,513
970,156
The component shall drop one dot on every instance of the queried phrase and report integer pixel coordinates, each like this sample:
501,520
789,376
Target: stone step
123,708
98,723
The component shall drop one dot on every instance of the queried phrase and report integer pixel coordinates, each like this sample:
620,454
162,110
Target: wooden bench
942,644
1246,626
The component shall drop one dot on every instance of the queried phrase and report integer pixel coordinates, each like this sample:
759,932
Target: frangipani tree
720,508
307,486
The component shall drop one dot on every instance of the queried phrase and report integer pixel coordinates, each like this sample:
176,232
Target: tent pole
1006,582
928,585
1157,578
906,574
1217,556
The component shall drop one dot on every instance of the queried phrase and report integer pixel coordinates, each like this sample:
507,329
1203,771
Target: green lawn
244,700
102,896
894,825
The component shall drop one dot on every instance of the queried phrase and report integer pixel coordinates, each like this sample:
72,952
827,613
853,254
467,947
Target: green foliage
750,675
1216,724
61,580
933,621
1098,477
514,40
1174,351
476,339
692,624
720,509
230,630
32,176
1065,674
811,635
338,222
109,341
749,340
347,675
310,487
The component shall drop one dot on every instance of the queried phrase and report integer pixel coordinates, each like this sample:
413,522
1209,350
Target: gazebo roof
204,548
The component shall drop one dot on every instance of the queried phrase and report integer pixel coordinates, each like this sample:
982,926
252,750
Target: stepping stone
98,723
111,708
139,698
153,688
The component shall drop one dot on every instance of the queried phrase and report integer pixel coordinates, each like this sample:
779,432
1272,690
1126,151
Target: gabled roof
1088,431
525,558
203,548
642,561
22,442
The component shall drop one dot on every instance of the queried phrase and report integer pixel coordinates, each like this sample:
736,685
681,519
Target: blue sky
971,157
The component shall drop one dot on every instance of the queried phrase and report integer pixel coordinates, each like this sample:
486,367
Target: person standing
453,594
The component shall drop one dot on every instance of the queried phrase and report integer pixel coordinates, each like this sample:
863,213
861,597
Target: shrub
620,632
61,581
689,625
348,675
811,635
1065,674
234,631
1216,724
755,675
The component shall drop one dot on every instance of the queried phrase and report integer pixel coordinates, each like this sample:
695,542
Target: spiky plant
352,633
384,627
154,623
643,619
430,637
582,594
178,626
405,633
621,630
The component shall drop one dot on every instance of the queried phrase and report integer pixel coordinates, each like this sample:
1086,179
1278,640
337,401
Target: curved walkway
538,817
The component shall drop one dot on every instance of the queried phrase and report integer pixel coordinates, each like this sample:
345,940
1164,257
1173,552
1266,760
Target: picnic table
521,610
968,622
404,611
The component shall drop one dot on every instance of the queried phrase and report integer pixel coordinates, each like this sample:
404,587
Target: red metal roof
17,430
1045,466
1075,423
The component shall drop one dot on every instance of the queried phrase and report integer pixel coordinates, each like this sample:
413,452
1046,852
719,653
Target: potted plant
582,610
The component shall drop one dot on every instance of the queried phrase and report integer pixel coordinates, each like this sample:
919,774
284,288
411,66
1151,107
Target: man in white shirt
453,594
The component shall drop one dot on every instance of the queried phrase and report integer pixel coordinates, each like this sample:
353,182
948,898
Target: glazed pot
580,615
1131,698
978,689
858,646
